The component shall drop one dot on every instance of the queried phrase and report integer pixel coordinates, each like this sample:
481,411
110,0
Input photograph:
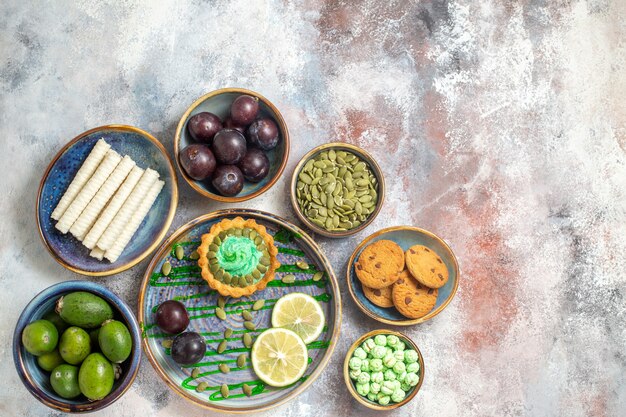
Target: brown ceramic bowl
367,158
218,102
350,383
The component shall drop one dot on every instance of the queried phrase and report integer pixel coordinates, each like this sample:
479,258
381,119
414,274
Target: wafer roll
88,217
82,176
133,224
109,212
131,204
89,190
97,253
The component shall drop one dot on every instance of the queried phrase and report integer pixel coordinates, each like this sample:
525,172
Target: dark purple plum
172,317
229,146
188,348
229,124
228,180
263,133
198,161
254,165
244,109
203,126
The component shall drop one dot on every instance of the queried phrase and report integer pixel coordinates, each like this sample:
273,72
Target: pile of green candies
383,370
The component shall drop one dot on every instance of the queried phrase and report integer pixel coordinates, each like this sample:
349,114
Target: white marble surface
500,126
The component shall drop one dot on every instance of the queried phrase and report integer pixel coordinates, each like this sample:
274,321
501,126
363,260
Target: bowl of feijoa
231,145
337,189
77,347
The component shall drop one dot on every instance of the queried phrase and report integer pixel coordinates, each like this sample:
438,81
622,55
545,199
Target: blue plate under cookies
405,237
147,152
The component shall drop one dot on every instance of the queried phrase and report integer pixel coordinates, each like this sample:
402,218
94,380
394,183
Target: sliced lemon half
300,313
279,357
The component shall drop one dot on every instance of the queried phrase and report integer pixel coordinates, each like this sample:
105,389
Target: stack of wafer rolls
106,201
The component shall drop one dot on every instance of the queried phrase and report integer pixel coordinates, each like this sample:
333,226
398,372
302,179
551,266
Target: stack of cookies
408,281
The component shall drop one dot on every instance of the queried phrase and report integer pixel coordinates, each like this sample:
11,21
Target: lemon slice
300,313
279,357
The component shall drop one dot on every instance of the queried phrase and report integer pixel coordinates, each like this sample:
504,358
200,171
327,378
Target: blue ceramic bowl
147,152
405,236
218,102
185,284
37,380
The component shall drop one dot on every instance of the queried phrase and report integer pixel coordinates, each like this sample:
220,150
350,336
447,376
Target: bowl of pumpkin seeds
337,189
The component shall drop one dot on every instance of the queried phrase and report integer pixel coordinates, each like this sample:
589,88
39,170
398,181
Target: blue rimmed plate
147,152
184,283
405,237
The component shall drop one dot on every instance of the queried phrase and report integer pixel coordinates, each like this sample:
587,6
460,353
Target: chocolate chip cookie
426,266
379,296
379,264
412,299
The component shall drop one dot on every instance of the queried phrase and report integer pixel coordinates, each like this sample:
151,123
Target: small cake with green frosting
237,257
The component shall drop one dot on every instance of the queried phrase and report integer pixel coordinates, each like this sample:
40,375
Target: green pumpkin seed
249,325
167,343
253,234
211,255
318,222
262,268
247,340
246,315
256,274
302,265
246,390
180,252
318,276
213,247
214,268
194,256
258,304
220,313
226,278
201,387
305,178
241,360
224,391
265,260
166,268
223,368
221,301
195,373
289,278
221,347
228,333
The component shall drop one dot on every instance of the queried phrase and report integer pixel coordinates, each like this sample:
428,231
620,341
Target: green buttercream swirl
238,255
